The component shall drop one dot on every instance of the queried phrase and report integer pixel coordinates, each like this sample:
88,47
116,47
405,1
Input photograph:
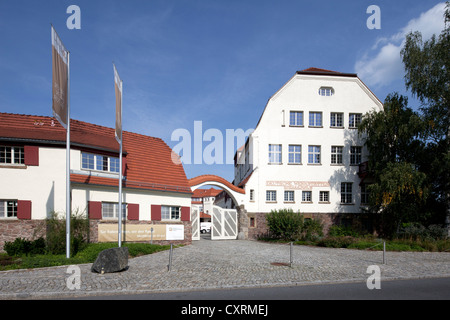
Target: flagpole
68,206
120,174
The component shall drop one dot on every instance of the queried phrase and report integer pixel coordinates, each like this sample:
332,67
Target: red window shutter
31,157
133,211
185,213
24,209
95,209
124,166
156,212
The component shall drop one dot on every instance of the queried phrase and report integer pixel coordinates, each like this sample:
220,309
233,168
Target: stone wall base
26,229
33,229
258,225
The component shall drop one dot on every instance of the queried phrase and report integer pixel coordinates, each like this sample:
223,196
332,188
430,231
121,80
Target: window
315,119
252,195
110,210
296,118
170,213
274,153
12,155
98,162
364,194
271,196
354,120
326,91
346,192
295,154
336,154
355,155
8,208
289,196
324,196
336,120
314,154
306,196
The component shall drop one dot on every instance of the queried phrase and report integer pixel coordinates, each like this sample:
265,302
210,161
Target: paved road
410,289
206,265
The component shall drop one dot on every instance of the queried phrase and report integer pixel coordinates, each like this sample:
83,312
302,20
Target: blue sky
211,60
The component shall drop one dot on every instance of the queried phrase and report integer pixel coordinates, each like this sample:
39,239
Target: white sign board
175,232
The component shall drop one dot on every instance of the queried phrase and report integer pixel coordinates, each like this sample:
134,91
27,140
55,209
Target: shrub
56,233
284,224
416,231
341,231
336,242
312,229
22,246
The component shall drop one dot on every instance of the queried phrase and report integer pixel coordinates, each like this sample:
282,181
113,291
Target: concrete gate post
242,223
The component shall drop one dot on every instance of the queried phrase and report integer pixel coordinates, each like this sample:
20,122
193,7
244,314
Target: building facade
305,153
156,195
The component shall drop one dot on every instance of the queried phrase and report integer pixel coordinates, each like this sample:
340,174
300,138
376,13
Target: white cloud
382,64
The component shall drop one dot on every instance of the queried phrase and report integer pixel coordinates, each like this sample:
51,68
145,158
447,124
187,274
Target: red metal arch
213,178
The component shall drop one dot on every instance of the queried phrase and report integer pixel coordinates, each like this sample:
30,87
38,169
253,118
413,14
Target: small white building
156,195
305,152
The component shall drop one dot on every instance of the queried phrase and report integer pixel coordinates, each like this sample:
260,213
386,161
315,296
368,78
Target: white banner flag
118,90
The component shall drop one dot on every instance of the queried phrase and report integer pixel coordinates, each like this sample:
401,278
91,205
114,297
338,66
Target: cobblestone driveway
210,264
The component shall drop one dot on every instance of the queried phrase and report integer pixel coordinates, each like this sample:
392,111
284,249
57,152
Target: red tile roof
200,193
148,160
213,178
324,72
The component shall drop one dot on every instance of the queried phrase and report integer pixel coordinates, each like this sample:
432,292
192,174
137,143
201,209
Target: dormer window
326,91
98,162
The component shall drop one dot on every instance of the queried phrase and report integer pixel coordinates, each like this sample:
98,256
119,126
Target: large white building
156,194
305,152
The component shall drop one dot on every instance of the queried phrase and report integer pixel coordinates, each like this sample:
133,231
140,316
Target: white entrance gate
195,220
224,224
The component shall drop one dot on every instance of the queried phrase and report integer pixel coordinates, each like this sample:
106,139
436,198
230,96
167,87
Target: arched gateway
226,224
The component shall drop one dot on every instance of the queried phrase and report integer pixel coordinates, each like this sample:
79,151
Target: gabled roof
317,72
324,72
149,162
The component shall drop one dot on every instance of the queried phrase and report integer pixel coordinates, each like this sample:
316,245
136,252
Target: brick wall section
33,229
260,228
27,229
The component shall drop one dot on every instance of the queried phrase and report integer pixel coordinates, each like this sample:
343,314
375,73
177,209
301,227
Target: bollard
170,257
151,235
290,258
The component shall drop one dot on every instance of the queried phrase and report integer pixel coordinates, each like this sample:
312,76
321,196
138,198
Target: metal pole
384,252
290,258
120,174
170,257
68,206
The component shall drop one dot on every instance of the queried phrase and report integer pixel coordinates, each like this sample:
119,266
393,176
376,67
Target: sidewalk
210,264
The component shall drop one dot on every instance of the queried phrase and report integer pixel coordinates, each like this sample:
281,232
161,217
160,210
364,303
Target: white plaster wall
82,194
43,185
301,94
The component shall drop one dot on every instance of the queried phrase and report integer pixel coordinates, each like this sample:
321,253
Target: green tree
427,66
399,189
409,158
